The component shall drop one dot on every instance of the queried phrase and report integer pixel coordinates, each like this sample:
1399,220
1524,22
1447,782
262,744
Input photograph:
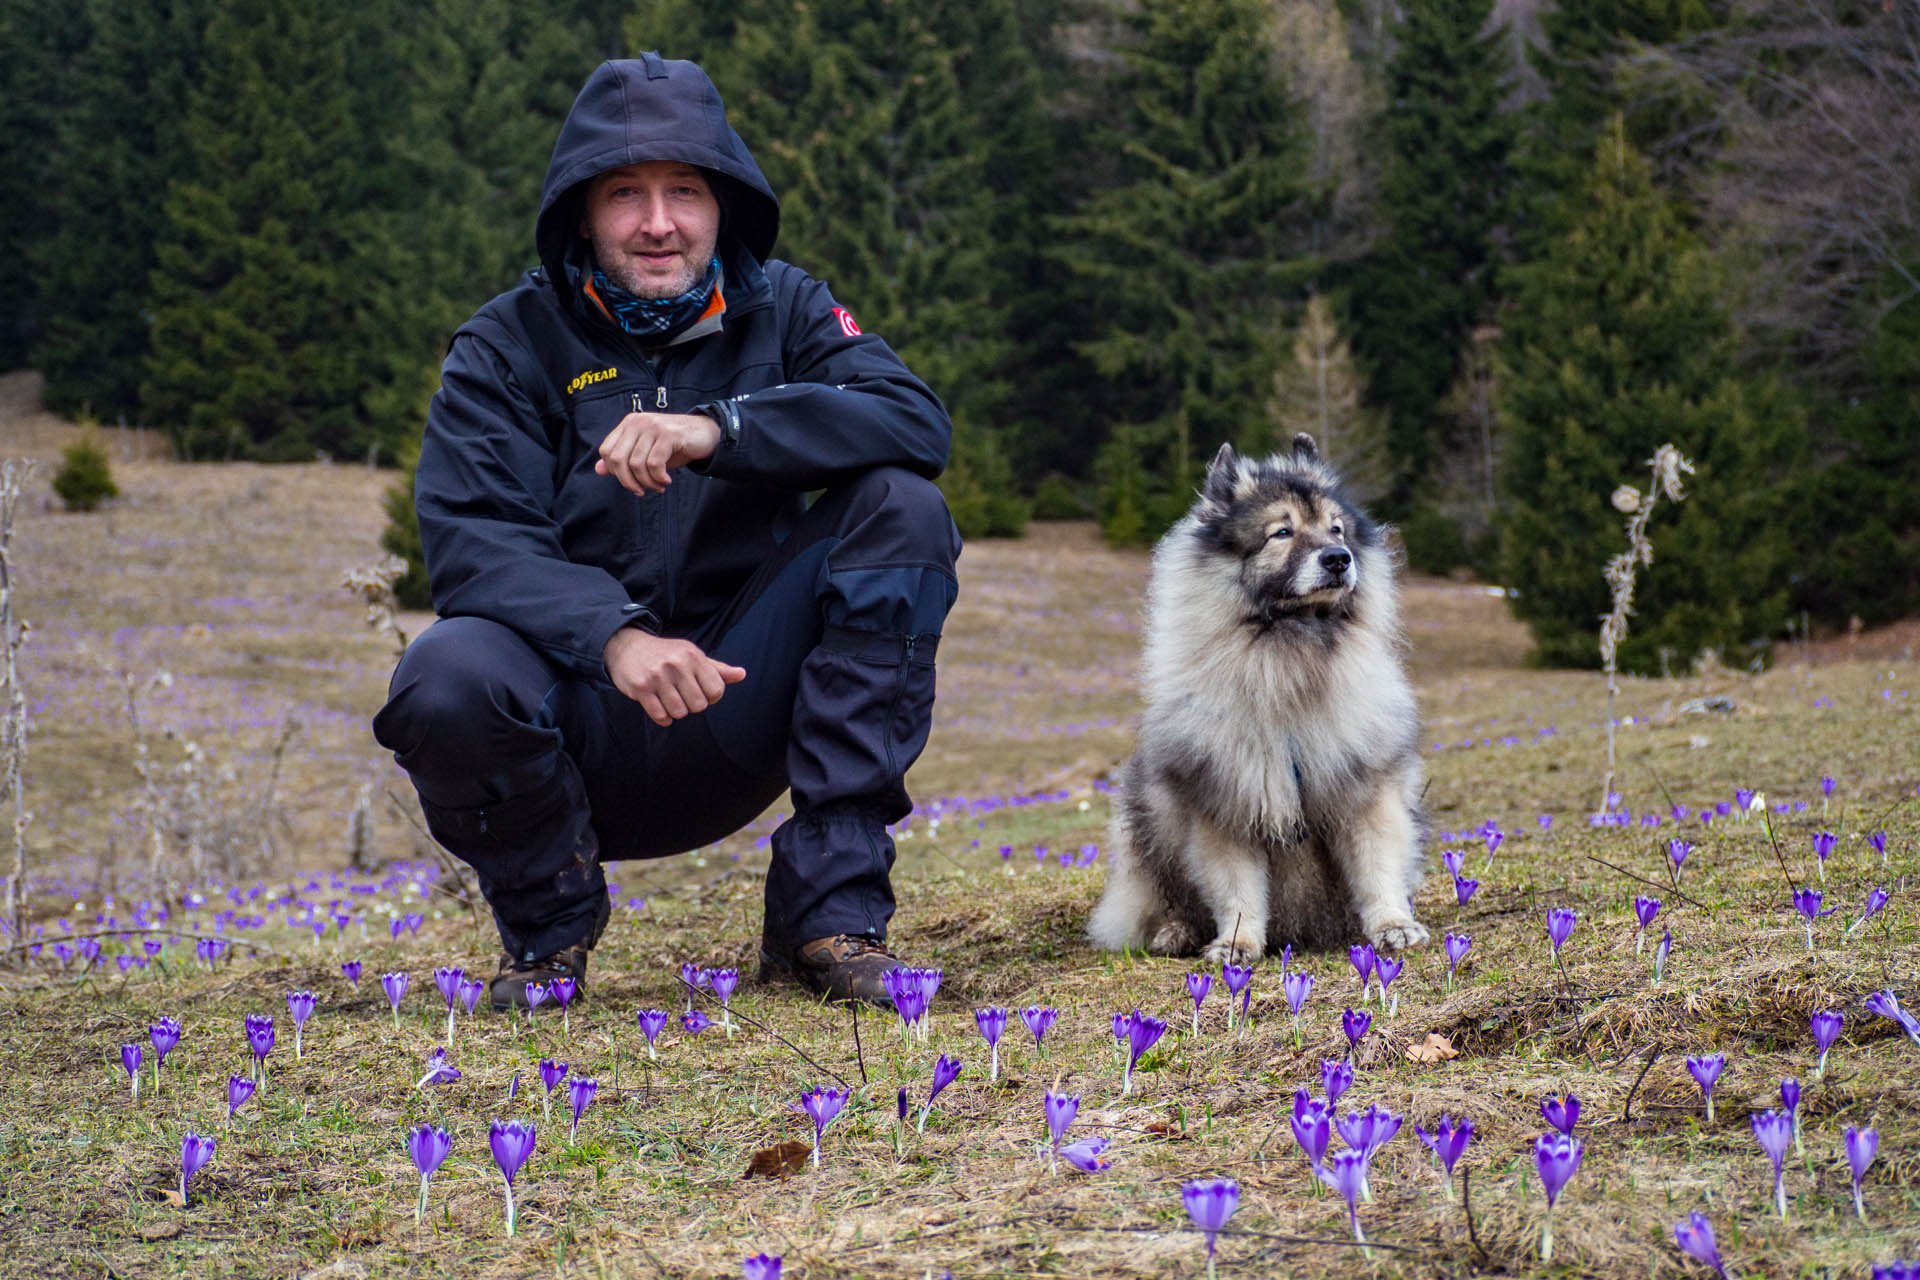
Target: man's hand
670,679
646,446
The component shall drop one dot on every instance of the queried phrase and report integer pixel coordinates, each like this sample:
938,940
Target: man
646,632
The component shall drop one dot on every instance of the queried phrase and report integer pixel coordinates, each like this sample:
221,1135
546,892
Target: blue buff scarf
654,319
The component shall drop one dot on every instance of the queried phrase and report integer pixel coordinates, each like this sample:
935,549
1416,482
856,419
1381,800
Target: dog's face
1299,543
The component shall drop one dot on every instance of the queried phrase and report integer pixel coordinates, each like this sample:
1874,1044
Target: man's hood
649,108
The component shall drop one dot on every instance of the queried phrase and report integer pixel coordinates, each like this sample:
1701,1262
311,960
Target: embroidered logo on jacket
847,326
590,377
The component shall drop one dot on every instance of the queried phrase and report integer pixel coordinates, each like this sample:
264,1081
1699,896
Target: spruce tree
1191,255
268,321
1615,343
1320,393
1429,280
120,143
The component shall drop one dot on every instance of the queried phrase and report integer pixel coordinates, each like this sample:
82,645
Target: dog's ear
1303,447
1222,472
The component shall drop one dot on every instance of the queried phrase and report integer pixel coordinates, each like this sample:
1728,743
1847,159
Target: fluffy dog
1273,795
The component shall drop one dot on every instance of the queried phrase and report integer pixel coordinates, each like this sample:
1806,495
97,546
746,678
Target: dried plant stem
1667,465
14,474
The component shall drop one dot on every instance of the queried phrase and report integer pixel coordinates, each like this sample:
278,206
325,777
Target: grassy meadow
226,578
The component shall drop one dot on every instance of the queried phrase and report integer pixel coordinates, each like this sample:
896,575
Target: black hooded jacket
516,526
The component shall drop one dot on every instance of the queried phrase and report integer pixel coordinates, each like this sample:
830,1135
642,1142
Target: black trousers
535,777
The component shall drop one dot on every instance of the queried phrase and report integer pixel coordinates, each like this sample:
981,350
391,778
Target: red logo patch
847,326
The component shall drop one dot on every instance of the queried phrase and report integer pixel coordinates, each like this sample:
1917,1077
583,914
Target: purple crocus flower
1546,821
1677,850
1862,1145
1560,922
1463,889
1557,1158
1494,836
300,1006
239,1089
1457,945
1706,1071
259,1028
130,1059
1823,842
992,1024
1210,1202
723,982
1447,1142
1363,958
695,1021
1887,1005
580,1091
551,1074
1826,1025
1356,1026
1644,910
1660,954
1774,1132
395,985
1085,1154
1060,1109
350,970
195,1152
822,1105
1039,1021
652,1023
1875,900
1143,1032
1790,1099
448,978
1296,987
1346,1173
165,1034
470,992
512,1142
428,1145
1807,903
1237,977
1336,1077
690,979
945,1071
1562,1114
1312,1127
1451,859
1695,1238
1879,842
762,1266
537,993
439,1070
903,988
1385,970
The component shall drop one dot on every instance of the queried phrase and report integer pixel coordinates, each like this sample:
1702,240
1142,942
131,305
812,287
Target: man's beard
628,276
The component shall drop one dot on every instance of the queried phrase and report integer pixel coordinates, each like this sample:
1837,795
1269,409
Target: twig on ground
1626,1110
859,1054
1466,1207
694,992
1654,884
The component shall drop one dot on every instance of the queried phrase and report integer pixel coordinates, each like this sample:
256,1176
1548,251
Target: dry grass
227,577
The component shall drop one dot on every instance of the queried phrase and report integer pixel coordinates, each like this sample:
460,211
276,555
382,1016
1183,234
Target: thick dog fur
1273,796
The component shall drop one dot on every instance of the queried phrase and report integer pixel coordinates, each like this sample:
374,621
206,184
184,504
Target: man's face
653,226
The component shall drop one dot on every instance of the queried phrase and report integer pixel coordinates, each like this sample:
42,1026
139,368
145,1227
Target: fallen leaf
779,1160
172,1196
1434,1048
161,1230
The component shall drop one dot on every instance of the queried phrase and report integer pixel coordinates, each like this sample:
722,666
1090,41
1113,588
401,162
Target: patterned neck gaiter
653,320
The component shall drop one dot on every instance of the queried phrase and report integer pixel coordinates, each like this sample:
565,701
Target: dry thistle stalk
1668,465
373,583
14,473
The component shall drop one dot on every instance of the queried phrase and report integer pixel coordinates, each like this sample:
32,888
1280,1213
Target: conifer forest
1491,253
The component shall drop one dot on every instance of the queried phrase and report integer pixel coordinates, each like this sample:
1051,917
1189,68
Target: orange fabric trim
588,289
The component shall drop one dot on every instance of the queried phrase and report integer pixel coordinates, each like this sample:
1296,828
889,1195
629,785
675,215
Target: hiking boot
508,990
846,966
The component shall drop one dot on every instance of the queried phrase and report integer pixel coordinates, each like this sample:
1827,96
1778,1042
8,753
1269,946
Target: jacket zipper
666,505
893,705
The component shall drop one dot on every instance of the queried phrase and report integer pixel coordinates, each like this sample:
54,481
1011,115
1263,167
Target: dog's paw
1398,935
1172,938
1241,950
